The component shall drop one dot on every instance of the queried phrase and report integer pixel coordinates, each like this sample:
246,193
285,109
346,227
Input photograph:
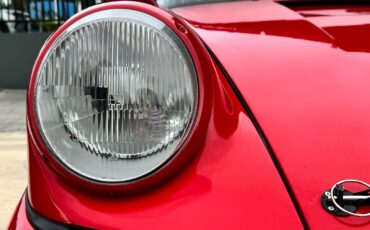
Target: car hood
306,78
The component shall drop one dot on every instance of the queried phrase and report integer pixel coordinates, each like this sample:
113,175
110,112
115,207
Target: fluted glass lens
116,95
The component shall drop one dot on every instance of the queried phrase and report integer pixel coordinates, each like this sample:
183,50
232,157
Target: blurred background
24,26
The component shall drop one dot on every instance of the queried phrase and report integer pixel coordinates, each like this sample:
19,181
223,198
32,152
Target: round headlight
116,96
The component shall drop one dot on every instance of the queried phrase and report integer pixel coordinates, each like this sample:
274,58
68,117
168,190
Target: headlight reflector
116,96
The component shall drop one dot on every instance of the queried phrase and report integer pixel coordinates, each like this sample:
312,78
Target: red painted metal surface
308,91
349,25
230,183
304,73
19,220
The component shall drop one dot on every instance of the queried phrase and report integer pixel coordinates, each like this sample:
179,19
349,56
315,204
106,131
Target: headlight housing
116,96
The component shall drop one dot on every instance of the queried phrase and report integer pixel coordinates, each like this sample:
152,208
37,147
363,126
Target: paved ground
13,152
12,110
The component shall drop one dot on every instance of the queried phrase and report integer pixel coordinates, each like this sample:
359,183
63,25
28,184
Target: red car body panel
19,220
231,184
308,91
307,87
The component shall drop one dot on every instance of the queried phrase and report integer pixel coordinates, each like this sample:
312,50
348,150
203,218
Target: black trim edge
41,223
263,138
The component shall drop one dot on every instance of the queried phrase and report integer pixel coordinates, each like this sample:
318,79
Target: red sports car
202,114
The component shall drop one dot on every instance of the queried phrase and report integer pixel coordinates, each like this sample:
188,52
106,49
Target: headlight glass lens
116,95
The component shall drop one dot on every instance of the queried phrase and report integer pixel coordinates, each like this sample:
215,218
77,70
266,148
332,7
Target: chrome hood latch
342,202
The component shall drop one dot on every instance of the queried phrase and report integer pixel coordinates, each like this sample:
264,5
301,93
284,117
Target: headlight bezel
189,146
